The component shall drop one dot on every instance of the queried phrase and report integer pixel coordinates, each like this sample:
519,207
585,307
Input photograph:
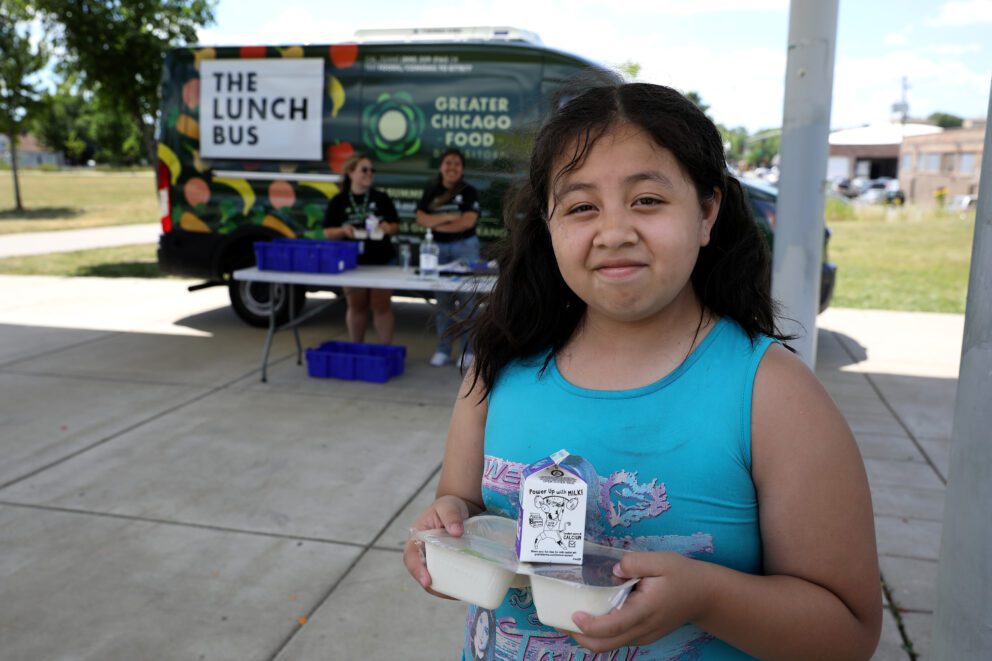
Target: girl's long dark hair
531,311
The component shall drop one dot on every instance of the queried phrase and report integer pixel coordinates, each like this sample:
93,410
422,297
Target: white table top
373,277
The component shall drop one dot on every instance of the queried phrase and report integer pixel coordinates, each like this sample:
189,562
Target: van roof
479,33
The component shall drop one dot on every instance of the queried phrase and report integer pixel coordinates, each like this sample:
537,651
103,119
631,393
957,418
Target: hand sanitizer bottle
429,252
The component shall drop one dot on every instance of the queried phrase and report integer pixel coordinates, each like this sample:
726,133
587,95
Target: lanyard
365,206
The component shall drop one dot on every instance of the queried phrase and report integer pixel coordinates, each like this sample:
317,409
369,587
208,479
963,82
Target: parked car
764,205
884,190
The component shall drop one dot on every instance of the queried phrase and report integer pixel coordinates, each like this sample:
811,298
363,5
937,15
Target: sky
731,52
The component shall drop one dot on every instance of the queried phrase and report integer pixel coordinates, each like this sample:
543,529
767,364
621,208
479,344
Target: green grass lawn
77,199
902,260
135,261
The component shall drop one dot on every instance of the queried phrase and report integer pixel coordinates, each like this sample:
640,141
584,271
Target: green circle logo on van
391,127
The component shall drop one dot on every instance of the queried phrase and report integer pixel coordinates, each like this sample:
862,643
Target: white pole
963,621
809,75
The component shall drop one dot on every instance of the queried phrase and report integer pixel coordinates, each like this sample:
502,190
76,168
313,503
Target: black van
251,140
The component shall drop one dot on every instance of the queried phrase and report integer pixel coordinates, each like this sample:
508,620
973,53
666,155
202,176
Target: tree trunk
13,168
148,139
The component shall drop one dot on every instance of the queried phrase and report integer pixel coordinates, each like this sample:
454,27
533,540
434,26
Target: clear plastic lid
595,571
490,538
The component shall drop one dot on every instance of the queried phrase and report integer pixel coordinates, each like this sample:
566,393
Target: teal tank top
674,465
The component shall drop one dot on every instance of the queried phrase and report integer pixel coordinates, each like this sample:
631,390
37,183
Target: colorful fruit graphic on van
336,92
196,191
344,55
391,127
281,194
337,154
191,93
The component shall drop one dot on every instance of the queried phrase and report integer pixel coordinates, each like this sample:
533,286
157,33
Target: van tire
250,301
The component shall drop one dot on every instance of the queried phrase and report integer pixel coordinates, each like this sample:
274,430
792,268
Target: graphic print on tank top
516,634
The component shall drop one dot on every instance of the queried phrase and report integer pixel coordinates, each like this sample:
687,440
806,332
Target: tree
735,142
630,69
60,121
762,147
118,47
698,100
946,120
19,95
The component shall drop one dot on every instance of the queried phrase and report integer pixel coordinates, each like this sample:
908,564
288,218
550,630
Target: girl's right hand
447,512
348,231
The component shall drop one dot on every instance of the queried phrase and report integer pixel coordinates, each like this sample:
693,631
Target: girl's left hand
670,594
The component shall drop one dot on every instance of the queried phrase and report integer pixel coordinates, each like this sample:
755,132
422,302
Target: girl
347,211
449,207
632,325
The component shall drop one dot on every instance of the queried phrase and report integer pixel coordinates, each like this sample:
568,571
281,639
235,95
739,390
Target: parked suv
764,205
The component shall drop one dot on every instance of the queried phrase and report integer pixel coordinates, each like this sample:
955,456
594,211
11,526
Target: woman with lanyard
360,212
450,209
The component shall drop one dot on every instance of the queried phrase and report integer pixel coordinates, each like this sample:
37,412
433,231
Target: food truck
252,139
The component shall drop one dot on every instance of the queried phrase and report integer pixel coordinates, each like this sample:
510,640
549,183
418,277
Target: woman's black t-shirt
349,209
438,199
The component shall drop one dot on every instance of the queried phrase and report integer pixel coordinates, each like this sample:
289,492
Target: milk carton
552,522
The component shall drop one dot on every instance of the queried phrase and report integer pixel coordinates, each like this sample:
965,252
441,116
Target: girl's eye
648,201
580,208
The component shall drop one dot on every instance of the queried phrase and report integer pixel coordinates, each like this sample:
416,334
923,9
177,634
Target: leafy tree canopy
630,69
118,46
698,100
946,120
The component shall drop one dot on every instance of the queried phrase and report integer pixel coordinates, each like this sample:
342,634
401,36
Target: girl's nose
616,228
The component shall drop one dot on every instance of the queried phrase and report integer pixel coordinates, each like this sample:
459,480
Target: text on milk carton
552,520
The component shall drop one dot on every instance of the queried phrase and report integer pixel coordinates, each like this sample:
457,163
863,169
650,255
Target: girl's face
451,170
362,174
628,226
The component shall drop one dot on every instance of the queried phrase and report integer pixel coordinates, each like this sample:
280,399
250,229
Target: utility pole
903,106
809,76
963,620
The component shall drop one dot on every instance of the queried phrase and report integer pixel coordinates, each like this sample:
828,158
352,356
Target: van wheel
251,303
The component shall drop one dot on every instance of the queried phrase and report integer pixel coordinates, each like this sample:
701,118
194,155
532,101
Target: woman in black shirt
450,208
360,212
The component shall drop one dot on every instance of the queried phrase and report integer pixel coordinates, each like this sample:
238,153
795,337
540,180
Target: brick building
871,151
951,159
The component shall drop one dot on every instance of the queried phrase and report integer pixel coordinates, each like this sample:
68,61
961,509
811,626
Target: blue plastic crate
306,255
353,361
347,251
273,256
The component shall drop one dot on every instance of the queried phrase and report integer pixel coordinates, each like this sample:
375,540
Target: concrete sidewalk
158,502
39,243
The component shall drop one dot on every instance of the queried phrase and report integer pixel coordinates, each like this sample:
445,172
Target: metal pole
963,621
809,75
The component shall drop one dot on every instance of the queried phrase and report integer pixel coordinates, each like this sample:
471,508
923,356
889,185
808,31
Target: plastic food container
478,567
561,590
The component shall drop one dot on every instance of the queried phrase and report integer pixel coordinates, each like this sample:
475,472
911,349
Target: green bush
837,208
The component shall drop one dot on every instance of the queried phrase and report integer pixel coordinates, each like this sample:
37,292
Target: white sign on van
261,109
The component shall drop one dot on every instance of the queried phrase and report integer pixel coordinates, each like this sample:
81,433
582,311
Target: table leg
272,330
296,329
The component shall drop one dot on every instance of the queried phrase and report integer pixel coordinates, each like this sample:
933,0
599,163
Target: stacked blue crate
356,361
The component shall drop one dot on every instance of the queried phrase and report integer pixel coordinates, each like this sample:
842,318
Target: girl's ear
711,209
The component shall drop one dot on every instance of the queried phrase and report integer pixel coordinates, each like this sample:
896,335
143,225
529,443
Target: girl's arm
459,492
820,597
